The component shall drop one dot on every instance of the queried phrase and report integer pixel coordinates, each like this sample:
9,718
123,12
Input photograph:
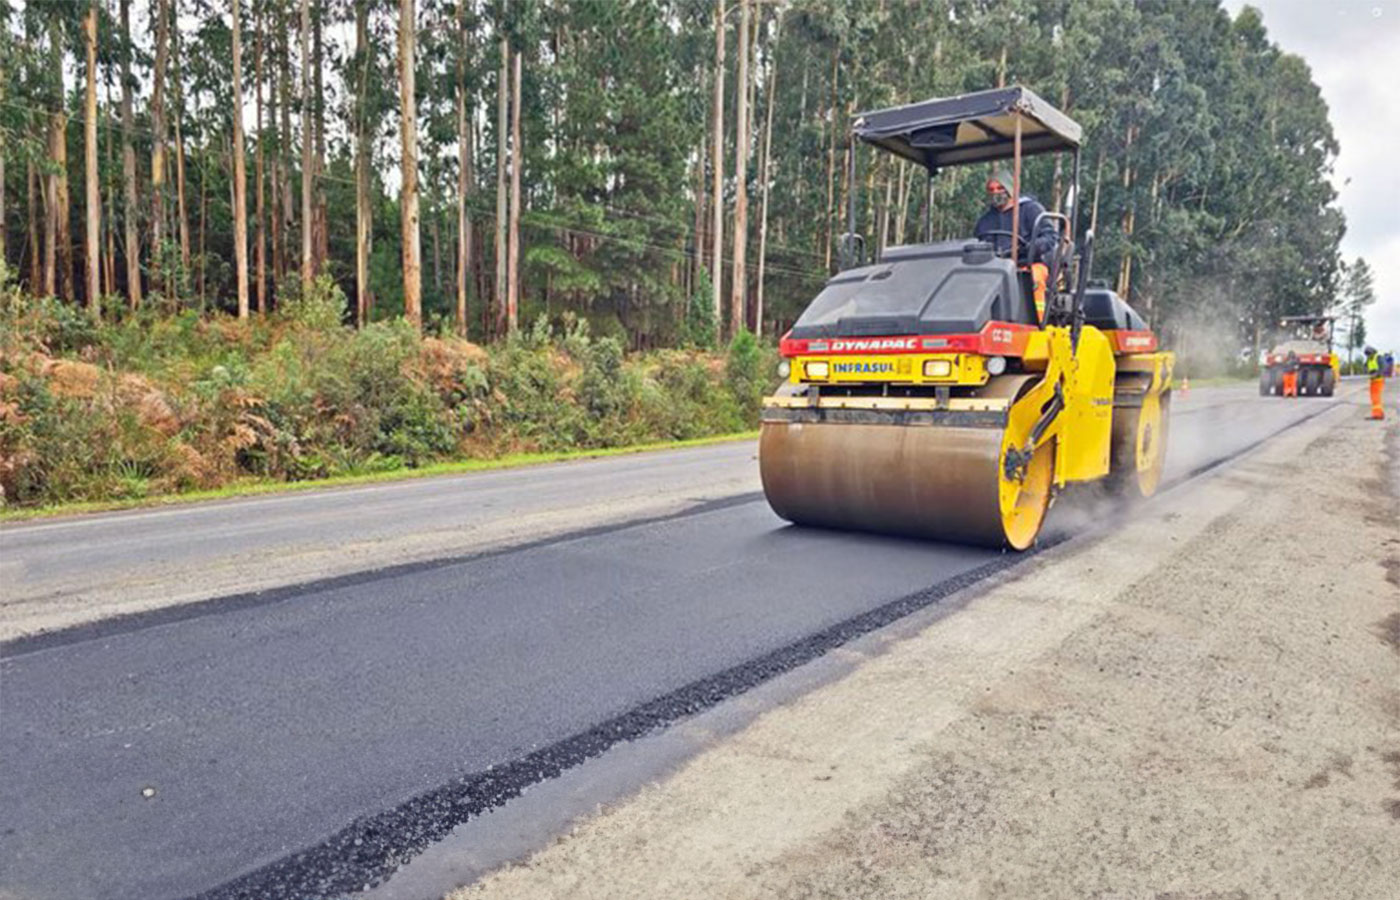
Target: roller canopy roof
970,128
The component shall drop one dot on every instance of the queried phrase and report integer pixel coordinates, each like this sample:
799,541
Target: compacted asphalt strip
306,745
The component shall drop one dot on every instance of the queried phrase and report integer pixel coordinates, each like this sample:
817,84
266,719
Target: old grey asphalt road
304,741
139,560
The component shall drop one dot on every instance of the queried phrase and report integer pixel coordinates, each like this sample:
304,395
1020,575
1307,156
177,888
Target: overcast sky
1353,47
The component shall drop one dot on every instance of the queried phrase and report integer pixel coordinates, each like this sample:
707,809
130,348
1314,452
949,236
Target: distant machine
1302,362
925,392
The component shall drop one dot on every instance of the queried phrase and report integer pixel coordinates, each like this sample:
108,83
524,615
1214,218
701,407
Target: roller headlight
938,368
996,365
784,369
818,369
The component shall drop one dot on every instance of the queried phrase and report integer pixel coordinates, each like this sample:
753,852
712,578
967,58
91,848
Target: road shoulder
1204,701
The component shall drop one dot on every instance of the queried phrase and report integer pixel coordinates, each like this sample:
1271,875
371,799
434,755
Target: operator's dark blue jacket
1041,245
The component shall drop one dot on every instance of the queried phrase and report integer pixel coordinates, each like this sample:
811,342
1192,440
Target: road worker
994,227
1373,374
1290,375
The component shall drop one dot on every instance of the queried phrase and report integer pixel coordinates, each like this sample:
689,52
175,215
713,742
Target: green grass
253,487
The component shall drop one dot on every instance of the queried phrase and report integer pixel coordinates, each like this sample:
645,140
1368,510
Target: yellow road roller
949,389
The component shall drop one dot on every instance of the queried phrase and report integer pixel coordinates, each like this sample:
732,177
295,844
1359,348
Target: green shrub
535,408
700,328
155,401
45,324
601,388
322,307
748,372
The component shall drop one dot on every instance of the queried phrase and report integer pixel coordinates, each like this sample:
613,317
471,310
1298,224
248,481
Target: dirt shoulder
1205,702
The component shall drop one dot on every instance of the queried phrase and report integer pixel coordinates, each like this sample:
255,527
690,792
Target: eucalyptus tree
240,182
408,203
131,208
161,25
91,185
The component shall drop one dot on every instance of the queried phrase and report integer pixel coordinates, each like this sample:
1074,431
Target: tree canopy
1205,169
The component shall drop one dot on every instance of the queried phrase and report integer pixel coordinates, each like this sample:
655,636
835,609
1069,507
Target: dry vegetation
160,403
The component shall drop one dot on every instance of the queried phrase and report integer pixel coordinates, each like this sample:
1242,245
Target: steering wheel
1006,254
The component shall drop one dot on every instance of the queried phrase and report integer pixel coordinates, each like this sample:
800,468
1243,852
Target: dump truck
1302,362
926,394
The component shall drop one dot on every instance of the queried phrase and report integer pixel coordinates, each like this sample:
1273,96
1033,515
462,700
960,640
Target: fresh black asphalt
264,729
304,743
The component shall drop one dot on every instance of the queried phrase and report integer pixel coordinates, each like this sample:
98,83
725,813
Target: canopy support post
928,206
851,184
1016,197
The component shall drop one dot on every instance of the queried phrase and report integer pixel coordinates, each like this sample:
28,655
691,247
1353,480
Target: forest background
589,207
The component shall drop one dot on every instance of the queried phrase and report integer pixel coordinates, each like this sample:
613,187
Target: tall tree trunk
260,226
158,147
92,247
1125,265
49,286
36,201
412,266
321,246
886,213
698,259
182,225
829,214
308,262
4,260
1125,268
464,170
717,225
290,200
1098,181
284,213
58,251
902,203
363,225
435,230
274,104
203,224
63,203
54,206
737,294
766,167
109,215
240,181
1058,190
502,123
177,94
517,160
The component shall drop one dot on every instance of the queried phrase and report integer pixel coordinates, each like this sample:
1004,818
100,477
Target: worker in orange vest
1290,375
1373,372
